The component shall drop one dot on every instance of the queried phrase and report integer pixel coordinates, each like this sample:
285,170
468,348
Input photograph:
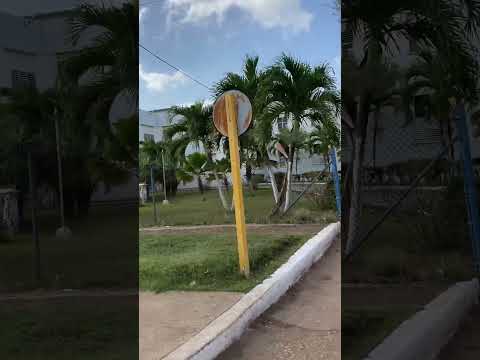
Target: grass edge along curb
229,326
425,333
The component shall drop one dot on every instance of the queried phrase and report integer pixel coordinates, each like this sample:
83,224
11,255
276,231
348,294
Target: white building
151,124
31,48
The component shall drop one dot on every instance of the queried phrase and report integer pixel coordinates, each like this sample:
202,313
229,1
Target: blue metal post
336,180
471,197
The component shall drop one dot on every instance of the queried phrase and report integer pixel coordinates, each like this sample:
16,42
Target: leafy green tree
248,82
322,138
194,125
153,154
439,78
195,166
301,94
264,146
444,26
112,60
218,171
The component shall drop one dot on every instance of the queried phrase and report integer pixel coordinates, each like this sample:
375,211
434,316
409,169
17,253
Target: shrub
443,225
302,216
256,179
323,198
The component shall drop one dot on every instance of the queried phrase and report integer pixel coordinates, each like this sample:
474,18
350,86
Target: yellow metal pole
232,115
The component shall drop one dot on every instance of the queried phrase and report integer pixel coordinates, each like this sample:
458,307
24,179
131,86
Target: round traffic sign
244,111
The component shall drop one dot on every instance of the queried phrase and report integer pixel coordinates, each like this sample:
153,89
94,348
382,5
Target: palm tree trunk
289,177
200,186
450,138
220,192
374,145
281,197
248,175
354,213
274,183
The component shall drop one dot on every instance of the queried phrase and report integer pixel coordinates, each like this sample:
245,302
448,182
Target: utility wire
173,66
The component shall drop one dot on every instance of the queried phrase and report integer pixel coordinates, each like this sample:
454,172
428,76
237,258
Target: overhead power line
173,66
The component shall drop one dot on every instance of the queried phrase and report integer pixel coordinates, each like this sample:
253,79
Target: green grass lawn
402,251
102,253
363,329
190,209
69,328
210,262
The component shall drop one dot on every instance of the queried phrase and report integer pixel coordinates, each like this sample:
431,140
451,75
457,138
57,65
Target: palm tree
301,94
322,138
191,125
194,125
23,120
439,77
264,144
442,26
194,166
151,155
108,68
248,82
218,171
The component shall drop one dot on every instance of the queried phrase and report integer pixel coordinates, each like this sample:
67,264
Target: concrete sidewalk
167,320
465,344
304,324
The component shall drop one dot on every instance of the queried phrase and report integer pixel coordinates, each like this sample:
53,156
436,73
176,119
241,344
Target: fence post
469,183
336,181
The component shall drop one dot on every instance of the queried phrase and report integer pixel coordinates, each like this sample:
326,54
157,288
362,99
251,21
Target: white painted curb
228,327
423,336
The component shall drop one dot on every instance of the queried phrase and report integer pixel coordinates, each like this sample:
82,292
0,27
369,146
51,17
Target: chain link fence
411,189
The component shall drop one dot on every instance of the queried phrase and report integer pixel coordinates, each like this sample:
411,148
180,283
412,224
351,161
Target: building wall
398,141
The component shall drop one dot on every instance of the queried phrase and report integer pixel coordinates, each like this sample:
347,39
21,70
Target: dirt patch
260,229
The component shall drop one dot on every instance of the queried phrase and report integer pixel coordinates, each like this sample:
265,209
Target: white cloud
287,14
143,11
160,82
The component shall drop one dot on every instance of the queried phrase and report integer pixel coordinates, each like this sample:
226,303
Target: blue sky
208,38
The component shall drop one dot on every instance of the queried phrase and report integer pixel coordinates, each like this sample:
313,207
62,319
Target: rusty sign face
244,111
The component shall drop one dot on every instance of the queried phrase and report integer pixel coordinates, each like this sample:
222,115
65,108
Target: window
426,135
23,80
347,38
148,137
282,123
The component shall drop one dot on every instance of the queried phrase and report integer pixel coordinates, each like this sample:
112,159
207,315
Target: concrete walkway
465,344
304,324
169,319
